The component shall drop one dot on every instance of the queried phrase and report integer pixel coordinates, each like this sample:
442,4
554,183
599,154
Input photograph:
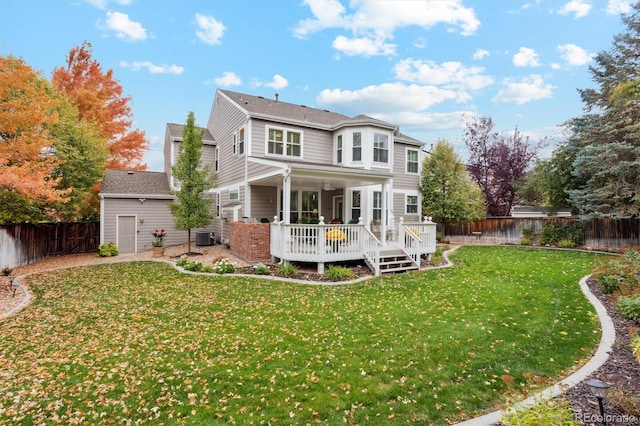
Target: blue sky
424,65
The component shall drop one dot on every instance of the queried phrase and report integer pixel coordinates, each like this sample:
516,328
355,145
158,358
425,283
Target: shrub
525,242
566,243
108,249
618,272
339,273
549,234
635,347
261,269
224,266
528,233
629,306
552,412
189,265
436,257
627,402
287,269
207,268
6,271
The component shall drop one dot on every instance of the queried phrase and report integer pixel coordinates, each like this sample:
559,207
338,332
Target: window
293,144
411,206
357,146
241,141
355,206
293,207
339,150
276,142
412,161
380,148
309,205
235,144
234,194
377,205
215,159
217,204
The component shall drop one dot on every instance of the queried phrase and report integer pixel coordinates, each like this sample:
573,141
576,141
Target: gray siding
401,180
264,202
224,120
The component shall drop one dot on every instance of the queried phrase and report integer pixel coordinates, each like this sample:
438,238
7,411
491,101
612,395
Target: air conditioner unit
204,238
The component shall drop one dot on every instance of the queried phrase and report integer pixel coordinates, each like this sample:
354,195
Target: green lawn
137,343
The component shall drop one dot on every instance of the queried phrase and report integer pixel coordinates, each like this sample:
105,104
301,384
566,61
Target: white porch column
286,194
383,218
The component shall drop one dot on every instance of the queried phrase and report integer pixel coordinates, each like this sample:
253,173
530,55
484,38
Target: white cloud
580,8
124,28
372,23
419,121
387,97
574,55
363,46
211,30
228,79
452,75
526,90
480,54
103,4
152,68
277,82
526,57
616,7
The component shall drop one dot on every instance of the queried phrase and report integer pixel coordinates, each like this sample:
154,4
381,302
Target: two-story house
308,171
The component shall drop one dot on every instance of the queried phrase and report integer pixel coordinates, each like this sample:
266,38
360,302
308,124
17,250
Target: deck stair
396,260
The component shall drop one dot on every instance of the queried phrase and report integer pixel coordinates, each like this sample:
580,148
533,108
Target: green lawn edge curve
142,343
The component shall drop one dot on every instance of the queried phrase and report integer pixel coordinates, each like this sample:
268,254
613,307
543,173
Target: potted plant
335,236
157,245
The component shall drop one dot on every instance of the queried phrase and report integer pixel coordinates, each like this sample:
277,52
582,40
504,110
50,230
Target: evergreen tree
447,192
606,139
192,208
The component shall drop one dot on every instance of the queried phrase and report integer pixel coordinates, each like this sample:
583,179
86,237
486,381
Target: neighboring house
299,167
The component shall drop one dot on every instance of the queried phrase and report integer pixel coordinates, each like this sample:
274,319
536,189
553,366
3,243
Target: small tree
447,192
191,209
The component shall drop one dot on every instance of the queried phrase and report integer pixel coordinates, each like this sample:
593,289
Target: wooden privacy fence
21,244
602,232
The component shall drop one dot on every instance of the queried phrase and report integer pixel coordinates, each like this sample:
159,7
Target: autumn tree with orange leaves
98,97
28,110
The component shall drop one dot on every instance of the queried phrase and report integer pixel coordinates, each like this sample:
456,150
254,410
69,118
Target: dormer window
380,148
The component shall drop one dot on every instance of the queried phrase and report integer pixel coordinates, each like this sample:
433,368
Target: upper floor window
357,146
241,141
284,142
339,150
412,161
380,148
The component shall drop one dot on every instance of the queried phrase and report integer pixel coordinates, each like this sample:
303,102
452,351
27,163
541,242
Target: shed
132,205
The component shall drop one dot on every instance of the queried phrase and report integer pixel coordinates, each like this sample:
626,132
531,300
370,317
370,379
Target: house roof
176,131
135,183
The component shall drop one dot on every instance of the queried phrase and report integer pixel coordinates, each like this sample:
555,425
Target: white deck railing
326,243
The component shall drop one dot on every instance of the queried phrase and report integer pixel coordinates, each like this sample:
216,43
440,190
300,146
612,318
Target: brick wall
250,241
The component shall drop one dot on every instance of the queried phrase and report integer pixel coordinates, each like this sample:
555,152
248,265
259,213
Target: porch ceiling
327,177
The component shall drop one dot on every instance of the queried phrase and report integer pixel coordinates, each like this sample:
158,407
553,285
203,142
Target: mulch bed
621,371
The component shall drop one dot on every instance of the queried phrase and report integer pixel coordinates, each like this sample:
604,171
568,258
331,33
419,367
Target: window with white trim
284,142
339,150
411,204
216,158
412,161
380,148
234,194
235,144
356,211
241,141
357,147
377,205
217,204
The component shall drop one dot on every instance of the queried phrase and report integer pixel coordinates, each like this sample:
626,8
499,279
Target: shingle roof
176,131
277,108
134,182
